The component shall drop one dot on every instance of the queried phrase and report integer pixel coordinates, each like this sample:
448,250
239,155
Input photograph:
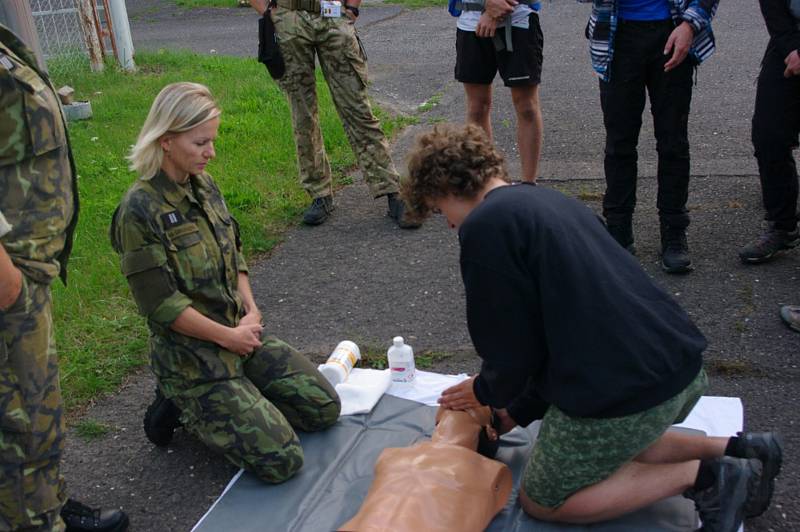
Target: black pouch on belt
268,51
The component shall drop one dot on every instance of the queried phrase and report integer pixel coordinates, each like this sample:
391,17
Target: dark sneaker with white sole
772,242
722,505
319,210
80,518
767,447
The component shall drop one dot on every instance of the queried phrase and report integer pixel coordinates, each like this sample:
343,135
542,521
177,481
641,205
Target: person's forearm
10,280
247,293
193,324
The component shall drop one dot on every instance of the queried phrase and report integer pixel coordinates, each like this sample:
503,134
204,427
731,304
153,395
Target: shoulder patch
6,62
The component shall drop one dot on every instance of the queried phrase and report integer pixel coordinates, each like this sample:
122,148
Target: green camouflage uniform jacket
179,247
38,187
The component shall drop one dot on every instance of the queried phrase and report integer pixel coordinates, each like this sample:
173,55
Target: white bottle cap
335,373
398,341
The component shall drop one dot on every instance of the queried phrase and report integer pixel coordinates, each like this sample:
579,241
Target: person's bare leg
529,129
675,447
633,486
479,106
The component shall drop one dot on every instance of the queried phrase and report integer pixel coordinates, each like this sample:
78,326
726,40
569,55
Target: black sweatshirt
781,25
561,314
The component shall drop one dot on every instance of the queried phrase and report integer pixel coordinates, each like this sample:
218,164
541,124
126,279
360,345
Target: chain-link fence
60,36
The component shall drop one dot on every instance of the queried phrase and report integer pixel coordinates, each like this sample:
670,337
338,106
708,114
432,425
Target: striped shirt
603,25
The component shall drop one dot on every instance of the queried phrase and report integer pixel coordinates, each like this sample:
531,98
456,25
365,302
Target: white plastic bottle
401,360
341,362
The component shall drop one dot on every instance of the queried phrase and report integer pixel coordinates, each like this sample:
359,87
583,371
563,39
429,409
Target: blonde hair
178,107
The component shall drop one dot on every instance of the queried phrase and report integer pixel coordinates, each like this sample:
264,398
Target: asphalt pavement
359,277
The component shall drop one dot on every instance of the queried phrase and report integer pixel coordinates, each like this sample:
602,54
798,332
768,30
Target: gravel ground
361,278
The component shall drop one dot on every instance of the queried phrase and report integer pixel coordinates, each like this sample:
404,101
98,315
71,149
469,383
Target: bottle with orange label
341,362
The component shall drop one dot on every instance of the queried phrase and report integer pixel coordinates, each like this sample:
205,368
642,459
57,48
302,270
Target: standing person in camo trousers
304,34
38,214
653,46
239,391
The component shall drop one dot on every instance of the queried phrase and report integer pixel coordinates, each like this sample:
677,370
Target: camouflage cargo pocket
15,424
188,253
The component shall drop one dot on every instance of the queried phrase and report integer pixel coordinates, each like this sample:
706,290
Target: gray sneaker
768,245
722,506
767,447
790,314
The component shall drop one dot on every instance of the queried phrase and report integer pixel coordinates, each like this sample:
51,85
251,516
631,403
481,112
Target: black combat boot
675,250
397,211
80,518
161,420
319,210
623,234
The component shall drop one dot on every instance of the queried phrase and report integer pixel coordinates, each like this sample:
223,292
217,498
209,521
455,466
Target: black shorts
477,61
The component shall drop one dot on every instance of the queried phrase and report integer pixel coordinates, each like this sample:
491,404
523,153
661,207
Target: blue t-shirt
644,9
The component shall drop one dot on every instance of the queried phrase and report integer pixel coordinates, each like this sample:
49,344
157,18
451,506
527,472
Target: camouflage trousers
302,36
251,418
31,422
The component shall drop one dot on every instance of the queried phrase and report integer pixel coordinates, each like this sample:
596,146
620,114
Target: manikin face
189,152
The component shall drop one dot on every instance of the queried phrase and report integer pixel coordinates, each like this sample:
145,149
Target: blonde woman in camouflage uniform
38,213
237,390
304,34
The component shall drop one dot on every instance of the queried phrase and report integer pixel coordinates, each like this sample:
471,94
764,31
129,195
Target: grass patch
731,368
100,337
430,103
90,429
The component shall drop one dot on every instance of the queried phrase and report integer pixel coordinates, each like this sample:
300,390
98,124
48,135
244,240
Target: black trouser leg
776,122
622,101
670,98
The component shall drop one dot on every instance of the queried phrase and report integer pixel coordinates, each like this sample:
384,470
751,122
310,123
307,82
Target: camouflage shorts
252,419
31,422
572,453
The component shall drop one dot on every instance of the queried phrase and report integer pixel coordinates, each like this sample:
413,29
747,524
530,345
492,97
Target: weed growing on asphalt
90,429
100,338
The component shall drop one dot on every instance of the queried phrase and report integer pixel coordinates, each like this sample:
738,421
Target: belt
311,6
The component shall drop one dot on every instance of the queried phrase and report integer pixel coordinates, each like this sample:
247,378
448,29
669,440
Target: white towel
362,390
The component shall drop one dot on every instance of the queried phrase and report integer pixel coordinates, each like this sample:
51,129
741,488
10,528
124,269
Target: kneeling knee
277,466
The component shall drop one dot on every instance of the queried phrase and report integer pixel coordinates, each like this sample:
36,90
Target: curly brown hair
449,159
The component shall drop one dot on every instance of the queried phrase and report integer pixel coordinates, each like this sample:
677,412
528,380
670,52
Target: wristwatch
352,9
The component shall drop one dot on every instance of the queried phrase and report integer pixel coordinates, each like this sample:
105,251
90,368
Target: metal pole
122,34
16,15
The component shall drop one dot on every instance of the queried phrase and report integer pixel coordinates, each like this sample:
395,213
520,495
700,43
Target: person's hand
460,397
243,339
251,318
10,288
792,62
349,14
679,42
499,8
260,6
486,26
505,421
